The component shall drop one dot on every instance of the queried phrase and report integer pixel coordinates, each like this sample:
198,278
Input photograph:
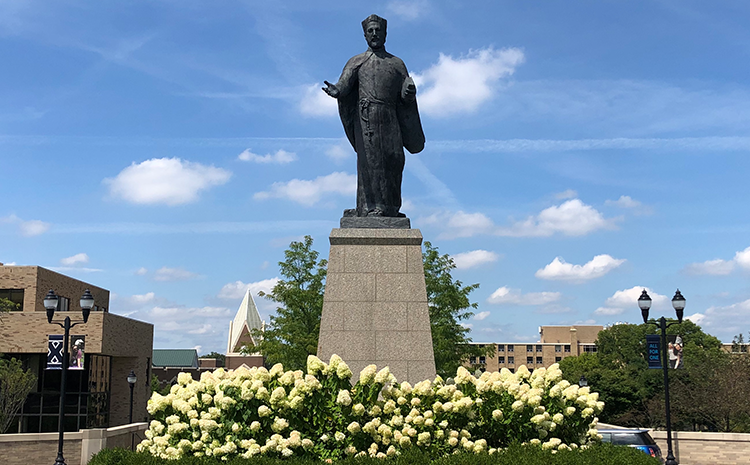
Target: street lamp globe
583,382
50,303
132,379
678,302
644,302
87,303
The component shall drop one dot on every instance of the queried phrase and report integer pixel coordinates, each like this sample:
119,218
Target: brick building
555,343
99,394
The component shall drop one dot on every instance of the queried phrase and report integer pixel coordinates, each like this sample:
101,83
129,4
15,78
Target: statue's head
374,28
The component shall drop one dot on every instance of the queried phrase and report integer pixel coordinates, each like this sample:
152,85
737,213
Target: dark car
638,438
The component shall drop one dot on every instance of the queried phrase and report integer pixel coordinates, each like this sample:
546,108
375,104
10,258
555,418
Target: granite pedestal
375,305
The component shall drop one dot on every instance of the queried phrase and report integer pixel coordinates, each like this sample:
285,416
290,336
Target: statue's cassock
379,122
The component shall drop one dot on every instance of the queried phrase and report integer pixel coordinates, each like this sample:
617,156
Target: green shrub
602,454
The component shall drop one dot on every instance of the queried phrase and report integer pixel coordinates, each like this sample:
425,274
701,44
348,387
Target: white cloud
310,192
461,85
170,181
141,271
173,274
33,227
460,224
408,10
625,201
572,218
75,259
202,330
27,228
566,194
720,267
237,289
626,300
340,152
315,102
505,295
9,264
281,157
142,298
481,315
609,311
729,319
474,258
716,267
743,258
560,270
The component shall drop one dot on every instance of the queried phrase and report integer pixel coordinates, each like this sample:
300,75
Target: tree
15,384
449,305
292,334
739,346
632,393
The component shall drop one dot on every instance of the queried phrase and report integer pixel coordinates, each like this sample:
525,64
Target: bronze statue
378,108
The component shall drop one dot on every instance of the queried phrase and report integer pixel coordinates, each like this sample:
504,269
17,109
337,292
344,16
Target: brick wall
37,281
706,448
129,342
41,451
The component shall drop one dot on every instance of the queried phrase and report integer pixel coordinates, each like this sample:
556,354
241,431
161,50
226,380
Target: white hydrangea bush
320,414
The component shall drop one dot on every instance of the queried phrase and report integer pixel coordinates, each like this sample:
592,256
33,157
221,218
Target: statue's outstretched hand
331,89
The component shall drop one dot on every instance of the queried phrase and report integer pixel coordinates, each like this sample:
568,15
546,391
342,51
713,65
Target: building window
512,370
15,296
511,360
63,304
482,359
539,361
567,348
472,360
510,347
501,347
501,360
529,360
589,349
529,348
557,359
87,401
538,347
558,348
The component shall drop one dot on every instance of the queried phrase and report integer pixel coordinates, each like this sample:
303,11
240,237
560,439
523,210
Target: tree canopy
704,394
449,305
292,334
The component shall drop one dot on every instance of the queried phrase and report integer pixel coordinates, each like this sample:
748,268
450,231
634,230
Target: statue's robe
379,124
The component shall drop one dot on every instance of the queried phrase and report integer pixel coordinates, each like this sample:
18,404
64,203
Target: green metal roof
182,358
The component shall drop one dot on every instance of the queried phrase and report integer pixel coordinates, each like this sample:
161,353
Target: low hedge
515,455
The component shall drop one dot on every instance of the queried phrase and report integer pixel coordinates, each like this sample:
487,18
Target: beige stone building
99,394
555,343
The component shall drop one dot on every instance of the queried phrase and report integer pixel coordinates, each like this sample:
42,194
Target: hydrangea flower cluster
321,415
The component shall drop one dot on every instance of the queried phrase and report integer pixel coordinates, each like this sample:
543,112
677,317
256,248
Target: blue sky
576,152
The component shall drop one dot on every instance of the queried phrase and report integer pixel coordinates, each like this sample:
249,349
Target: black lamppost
131,381
50,303
678,302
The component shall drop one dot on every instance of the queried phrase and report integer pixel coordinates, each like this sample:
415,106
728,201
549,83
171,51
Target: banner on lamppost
674,351
76,352
55,352
653,351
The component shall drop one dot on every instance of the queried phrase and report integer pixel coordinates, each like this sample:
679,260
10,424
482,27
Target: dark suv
638,438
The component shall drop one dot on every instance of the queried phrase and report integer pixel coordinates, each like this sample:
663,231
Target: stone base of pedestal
375,306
